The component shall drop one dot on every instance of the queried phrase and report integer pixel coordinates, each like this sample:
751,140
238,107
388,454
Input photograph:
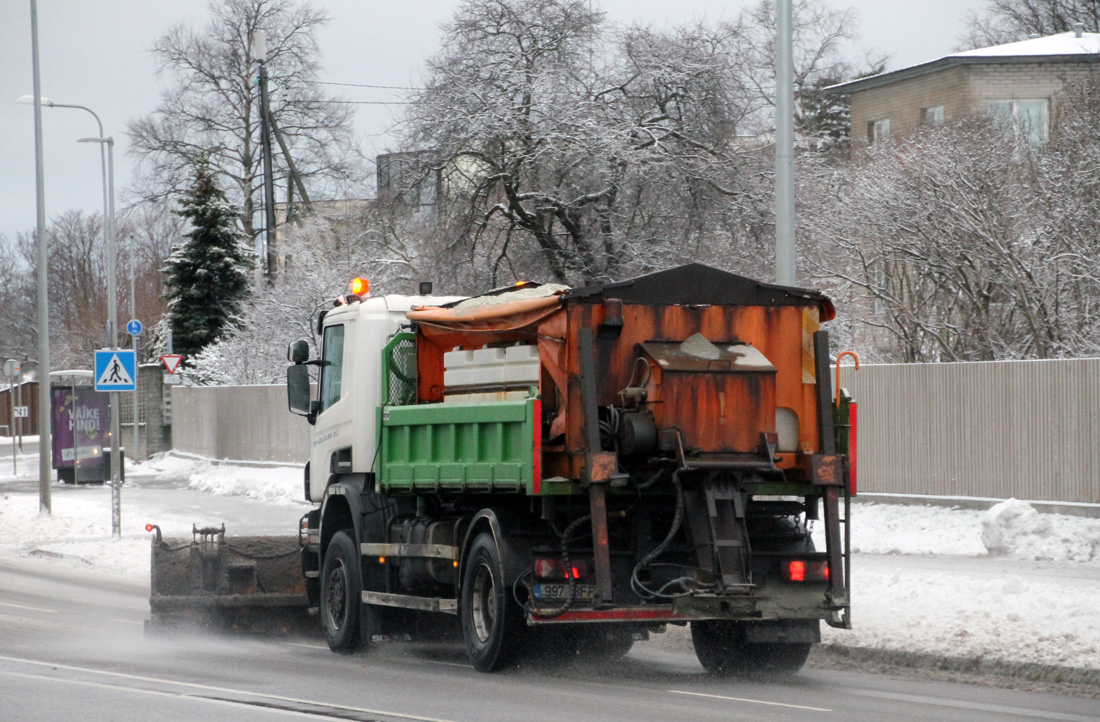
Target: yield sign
171,361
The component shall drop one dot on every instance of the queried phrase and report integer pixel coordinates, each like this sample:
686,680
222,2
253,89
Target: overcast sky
96,54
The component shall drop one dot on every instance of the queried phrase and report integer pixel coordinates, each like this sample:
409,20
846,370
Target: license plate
561,591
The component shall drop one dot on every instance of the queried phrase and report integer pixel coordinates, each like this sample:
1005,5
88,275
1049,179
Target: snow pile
280,485
166,466
896,529
1013,528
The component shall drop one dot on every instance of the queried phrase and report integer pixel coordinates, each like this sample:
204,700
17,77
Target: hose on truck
572,598
687,584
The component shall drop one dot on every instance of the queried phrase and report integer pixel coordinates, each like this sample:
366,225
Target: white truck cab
349,387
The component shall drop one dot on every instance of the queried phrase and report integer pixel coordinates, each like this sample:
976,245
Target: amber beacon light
359,287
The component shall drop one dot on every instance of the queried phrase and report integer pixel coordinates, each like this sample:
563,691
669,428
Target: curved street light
107,156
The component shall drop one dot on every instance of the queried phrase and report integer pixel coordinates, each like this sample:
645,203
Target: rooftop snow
1062,45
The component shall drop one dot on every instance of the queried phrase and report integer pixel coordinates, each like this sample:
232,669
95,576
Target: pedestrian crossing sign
115,370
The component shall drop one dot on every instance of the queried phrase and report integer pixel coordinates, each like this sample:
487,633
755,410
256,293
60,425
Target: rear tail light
554,568
804,570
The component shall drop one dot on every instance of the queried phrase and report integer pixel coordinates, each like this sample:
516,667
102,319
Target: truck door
331,431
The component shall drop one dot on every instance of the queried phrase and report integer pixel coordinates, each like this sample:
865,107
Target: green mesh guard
399,357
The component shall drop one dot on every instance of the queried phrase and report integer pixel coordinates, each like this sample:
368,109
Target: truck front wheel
341,589
722,649
491,621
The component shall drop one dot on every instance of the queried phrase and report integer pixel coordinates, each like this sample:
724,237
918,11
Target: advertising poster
80,427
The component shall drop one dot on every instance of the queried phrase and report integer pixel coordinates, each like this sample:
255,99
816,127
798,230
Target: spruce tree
207,276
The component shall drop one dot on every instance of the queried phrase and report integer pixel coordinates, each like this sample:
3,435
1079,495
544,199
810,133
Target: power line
355,102
376,87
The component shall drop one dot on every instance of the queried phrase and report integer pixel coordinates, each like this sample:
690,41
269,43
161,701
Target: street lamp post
45,500
108,166
112,332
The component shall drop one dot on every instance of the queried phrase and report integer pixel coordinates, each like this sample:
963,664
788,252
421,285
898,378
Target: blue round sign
134,327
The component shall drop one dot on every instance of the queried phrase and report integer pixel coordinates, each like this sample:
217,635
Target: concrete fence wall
244,423
1027,429
1023,429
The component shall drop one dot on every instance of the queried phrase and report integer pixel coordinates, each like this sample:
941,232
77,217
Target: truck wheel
341,587
491,621
721,649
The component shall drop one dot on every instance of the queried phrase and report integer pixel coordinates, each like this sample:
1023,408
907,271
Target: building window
932,115
878,130
1029,119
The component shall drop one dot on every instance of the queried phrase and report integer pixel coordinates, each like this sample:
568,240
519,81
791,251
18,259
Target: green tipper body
458,448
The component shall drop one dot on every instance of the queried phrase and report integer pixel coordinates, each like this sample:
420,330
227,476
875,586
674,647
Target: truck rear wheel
722,649
491,620
341,590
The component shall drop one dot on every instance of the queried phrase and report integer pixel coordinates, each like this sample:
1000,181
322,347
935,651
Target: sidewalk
1007,586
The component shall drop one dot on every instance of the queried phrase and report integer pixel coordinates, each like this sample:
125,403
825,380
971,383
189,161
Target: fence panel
247,423
1024,429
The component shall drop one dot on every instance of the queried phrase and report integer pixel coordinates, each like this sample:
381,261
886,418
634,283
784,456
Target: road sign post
134,328
115,370
9,370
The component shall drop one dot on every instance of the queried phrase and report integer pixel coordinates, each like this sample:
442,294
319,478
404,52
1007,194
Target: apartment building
1016,84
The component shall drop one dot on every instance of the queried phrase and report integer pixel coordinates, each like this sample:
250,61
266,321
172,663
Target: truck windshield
332,367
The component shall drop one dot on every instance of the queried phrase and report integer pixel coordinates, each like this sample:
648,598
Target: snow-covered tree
573,151
206,276
962,244
253,349
210,106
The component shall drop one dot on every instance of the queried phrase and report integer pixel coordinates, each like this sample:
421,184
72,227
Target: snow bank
279,485
925,530
1013,528
78,532
963,612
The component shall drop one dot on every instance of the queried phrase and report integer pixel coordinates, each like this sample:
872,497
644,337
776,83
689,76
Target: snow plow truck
558,471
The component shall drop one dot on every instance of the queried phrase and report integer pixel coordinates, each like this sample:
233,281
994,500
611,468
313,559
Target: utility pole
259,54
784,146
45,500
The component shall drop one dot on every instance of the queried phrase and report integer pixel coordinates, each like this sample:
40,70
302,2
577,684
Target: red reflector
798,571
801,570
148,527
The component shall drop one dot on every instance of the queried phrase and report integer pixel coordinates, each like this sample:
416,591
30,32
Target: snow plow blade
235,584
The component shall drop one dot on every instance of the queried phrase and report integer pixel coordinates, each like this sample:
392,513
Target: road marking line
22,606
171,695
307,646
752,701
128,621
228,690
981,706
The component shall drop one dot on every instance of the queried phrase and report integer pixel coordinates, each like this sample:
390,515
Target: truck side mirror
297,391
297,352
